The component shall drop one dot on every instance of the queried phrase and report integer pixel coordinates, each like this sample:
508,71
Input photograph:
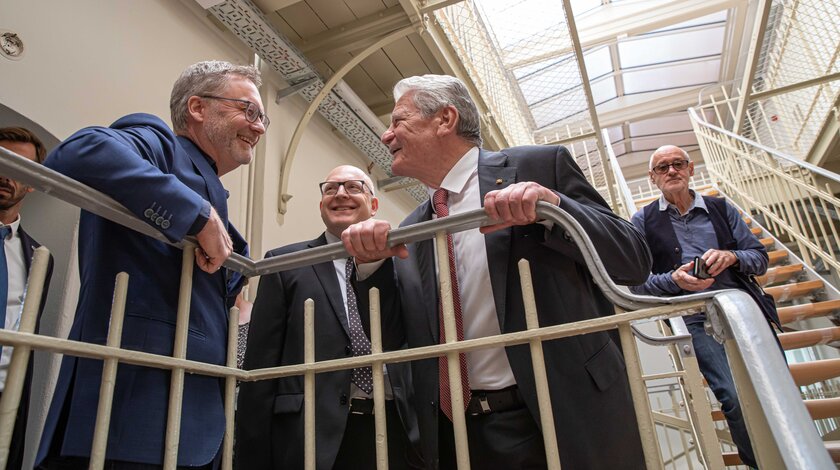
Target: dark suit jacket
593,412
166,181
270,413
18,437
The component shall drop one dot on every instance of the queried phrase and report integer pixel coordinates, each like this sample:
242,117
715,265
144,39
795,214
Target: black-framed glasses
252,111
663,168
352,187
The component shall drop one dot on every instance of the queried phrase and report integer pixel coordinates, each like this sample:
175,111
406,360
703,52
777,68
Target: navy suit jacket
139,162
270,412
593,411
28,244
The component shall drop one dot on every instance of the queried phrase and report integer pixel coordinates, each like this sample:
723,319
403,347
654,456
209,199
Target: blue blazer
140,162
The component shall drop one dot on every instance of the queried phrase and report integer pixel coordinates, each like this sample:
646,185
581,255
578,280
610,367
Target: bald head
347,205
666,150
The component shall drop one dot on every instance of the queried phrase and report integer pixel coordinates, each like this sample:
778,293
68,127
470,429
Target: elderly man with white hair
682,229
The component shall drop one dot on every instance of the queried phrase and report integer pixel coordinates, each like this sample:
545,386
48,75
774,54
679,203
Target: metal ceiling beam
752,62
432,5
273,5
355,35
590,104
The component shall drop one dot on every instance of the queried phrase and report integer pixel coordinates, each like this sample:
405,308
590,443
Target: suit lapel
424,254
215,191
325,272
494,175
28,245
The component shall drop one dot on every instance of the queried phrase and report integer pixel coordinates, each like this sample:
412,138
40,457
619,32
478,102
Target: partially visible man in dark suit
16,258
682,226
435,137
170,180
270,413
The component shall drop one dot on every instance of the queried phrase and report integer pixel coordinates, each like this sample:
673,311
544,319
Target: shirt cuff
365,270
201,219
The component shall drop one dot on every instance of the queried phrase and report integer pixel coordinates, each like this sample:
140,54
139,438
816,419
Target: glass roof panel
603,90
582,6
598,62
719,17
672,76
670,47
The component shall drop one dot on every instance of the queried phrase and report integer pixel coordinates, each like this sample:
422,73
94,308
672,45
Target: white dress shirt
17,284
340,266
488,369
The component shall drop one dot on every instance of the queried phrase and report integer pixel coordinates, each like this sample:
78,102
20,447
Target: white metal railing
795,198
779,424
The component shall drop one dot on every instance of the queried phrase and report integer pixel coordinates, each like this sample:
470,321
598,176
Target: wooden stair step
756,231
805,373
777,256
786,292
802,339
731,459
801,312
779,274
823,408
768,242
746,220
833,448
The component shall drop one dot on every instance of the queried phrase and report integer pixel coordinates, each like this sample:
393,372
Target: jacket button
567,236
343,399
433,404
677,250
348,350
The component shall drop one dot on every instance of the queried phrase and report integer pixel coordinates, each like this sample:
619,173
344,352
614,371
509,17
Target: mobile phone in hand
700,269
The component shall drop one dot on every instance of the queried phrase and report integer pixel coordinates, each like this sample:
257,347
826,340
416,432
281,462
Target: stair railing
795,199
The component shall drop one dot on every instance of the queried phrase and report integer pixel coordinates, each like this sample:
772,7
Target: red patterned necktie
442,209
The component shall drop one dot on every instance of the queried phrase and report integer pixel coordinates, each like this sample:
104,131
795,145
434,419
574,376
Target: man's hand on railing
688,282
516,204
214,244
367,241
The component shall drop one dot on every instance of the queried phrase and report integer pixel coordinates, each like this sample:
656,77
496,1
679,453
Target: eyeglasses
252,111
352,187
663,168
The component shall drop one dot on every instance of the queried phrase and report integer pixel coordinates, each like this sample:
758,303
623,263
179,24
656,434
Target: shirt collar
698,203
456,180
330,237
14,225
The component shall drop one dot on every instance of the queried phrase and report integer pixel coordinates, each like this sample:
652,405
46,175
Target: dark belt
361,406
485,402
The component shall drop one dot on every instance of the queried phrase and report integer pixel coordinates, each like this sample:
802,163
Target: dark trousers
711,357
82,463
500,440
358,446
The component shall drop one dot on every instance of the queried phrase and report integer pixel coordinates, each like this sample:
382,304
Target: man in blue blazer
18,250
171,181
435,137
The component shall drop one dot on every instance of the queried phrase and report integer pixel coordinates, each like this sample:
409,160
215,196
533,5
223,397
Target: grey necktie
363,376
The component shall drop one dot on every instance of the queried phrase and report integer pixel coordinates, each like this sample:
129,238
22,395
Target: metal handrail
782,156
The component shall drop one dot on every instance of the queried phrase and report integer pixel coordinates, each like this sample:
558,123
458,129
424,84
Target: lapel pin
499,181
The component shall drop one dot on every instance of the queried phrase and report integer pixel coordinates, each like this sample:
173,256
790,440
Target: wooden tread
779,274
768,242
786,292
801,312
777,256
802,339
756,231
805,373
823,408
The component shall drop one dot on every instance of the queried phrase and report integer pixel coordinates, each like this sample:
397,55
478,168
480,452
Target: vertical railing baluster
176,386
459,423
109,376
16,375
378,383
552,454
230,389
309,385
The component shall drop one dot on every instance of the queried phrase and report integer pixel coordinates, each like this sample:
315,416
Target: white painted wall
89,62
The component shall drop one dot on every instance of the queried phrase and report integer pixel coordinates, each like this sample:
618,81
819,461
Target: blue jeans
711,357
